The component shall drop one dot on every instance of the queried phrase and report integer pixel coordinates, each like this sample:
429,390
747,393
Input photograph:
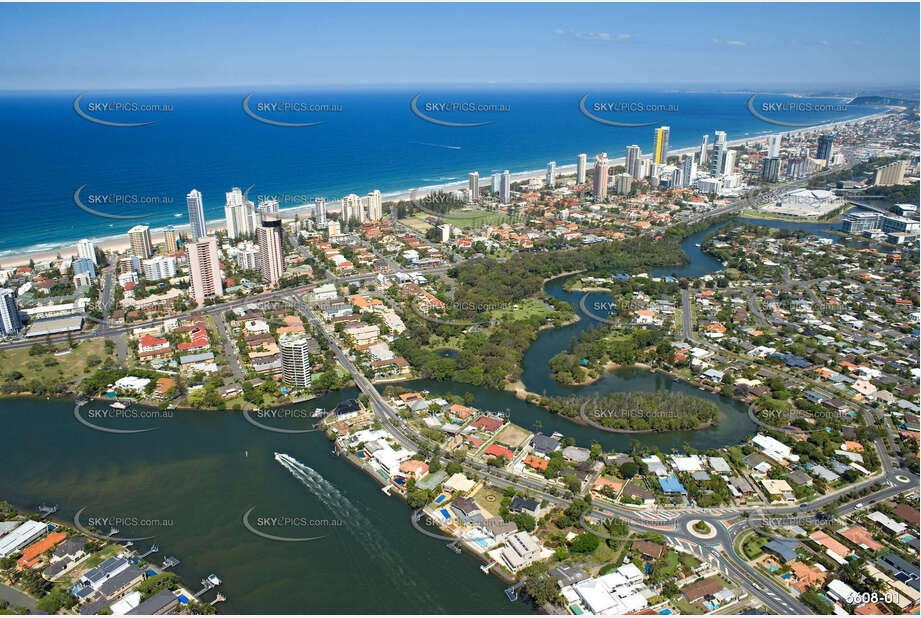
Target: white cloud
736,43
593,36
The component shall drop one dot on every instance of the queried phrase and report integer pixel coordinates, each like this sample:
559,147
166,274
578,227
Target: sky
165,46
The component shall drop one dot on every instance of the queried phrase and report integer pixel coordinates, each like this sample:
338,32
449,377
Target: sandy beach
120,242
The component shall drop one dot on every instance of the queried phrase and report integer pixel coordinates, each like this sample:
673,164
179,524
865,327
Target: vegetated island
636,412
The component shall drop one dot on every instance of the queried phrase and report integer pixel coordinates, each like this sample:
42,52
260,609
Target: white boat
697,245
214,579
319,413
118,405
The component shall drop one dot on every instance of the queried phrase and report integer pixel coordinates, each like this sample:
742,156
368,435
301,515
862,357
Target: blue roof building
671,485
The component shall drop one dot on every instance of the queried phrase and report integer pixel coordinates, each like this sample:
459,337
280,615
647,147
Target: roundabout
701,529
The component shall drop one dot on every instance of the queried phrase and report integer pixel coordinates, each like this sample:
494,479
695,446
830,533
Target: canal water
195,476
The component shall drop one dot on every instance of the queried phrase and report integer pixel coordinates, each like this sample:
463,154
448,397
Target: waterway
201,471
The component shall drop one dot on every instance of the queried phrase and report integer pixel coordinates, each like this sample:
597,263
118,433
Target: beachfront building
271,250
351,208
580,168
139,241
319,211
240,218
551,174
600,180
10,323
268,207
505,188
205,267
295,360
196,215
825,148
473,186
86,249
372,209
171,240
660,154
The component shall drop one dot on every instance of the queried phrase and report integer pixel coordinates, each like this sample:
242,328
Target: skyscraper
271,250
505,188
196,215
373,208
890,174
773,146
160,267
551,174
660,154
139,238
720,137
240,218
633,154
688,169
825,148
623,183
320,211
351,208
770,169
600,180
728,163
295,360
473,185
580,168
496,183
205,267
86,249
170,239
10,322
703,149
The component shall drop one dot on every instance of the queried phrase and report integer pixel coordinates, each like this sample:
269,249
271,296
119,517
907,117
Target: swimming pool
440,499
445,514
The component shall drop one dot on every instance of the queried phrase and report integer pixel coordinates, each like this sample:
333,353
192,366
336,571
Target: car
804,506
859,505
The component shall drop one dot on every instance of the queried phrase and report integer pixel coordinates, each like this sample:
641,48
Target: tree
542,589
584,543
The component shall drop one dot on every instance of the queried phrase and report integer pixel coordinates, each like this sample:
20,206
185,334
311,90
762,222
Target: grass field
489,499
64,368
526,308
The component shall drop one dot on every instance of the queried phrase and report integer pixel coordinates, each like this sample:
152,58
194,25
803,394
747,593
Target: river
199,472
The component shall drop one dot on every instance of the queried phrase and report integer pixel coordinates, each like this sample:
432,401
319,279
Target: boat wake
358,525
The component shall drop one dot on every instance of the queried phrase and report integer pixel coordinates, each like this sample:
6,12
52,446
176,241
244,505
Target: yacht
118,405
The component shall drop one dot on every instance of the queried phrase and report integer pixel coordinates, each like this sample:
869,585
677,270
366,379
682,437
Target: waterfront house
161,603
117,585
544,445
520,551
414,469
466,511
22,535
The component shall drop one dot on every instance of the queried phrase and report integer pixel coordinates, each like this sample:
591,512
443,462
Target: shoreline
117,242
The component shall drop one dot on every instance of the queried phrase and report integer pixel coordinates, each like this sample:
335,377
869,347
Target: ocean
368,139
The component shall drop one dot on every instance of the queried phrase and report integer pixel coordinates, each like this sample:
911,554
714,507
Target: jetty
487,567
47,511
220,597
512,591
153,549
212,581
169,562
